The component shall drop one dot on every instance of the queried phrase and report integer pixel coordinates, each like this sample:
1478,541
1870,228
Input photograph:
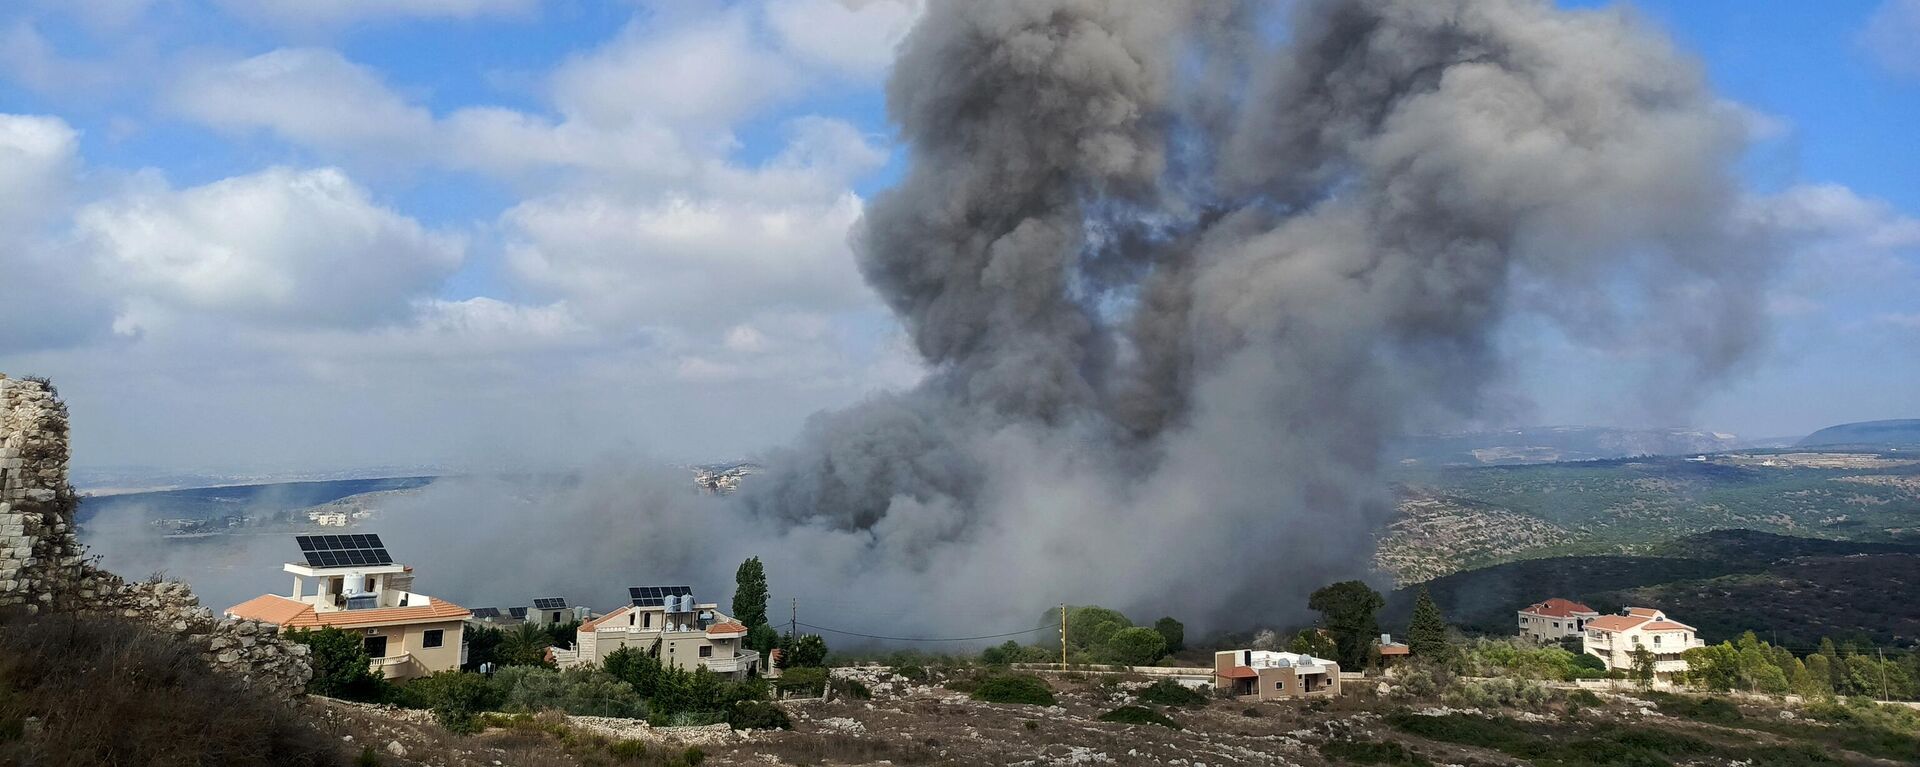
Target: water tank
354,585
676,603
686,603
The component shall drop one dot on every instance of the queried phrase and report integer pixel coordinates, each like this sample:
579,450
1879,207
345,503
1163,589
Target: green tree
341,667
1348,611
1088,626
483,646
1172,631
526,645
1642,673
1136,646
750,593
1314,642
1427,632
454,697
641,671
762,638
804,651
1819,680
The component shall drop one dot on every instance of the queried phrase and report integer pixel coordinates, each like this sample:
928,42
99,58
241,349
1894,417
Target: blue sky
276,234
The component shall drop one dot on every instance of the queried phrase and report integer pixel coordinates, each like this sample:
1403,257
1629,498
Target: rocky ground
1434,536
906,723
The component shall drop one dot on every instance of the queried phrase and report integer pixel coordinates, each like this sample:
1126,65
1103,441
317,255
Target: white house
666,623
1555,619
1614,638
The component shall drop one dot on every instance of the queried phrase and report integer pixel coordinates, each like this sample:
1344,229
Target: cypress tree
750,593
1427,632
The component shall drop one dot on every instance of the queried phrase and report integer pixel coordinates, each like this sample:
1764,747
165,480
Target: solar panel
518,612
343,550
655,596
550,603
486,612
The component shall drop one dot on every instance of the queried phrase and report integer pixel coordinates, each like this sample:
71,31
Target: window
706,651
1523,620
629,619
1656,639
376,646
433,638
1556,624
649,622
1281,685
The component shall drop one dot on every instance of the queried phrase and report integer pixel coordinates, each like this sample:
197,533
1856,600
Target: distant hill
1724,582
255,500
1904,431
1550,444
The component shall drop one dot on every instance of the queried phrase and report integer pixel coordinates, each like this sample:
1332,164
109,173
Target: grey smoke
1176,282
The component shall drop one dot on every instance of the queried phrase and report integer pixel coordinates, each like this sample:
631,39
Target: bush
341,668
1136,646
1372,752
1015,688
758,715
1710,710
693,756
912,673
455,697
853,689
1167,692
1138,715
586,692
628,750
108,692
802,681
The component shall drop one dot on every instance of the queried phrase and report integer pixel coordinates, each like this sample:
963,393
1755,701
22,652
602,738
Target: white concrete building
1555,619
670,626
1614,639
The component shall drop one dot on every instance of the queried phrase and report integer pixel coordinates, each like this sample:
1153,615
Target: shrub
851,688
368,758
1167,692
1710,710
455,697
912,673
1372,752
586,692
628,750
802,681
1138,715
1136,646
1015,688
693,756
108,692
758,715
1251,712
341,668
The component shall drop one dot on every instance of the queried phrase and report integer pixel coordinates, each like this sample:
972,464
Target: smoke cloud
1177,278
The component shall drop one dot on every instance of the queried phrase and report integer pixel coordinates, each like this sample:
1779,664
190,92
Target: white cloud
37,156
699,71
311,96
1848,253
854,37
27,58
1891,36
327,13
282,247
697,264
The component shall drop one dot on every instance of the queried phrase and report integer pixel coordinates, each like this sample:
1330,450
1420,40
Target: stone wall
43,567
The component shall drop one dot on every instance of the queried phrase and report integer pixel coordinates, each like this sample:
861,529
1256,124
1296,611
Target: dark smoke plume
1177,277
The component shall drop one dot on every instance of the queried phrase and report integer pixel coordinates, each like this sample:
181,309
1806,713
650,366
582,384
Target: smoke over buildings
1176,278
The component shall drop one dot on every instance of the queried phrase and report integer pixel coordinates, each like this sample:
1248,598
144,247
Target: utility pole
1063,636
793,617
1884,693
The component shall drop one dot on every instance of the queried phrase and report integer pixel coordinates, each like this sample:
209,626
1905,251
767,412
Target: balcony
391,665
739,662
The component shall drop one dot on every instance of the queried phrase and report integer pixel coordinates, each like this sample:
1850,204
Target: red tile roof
1560,608
1666,626
1615,622
1395,649
589,625
1643,612
729,627
291,613
1240,672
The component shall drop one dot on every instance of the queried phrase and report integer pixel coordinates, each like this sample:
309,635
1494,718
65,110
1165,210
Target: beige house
1269,675
348,582
1555,619
1614,638
671,626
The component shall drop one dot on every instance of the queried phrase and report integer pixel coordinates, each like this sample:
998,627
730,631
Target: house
551,610
1393,651
666,623
492,617
357,587
1614,638
1270,675
1555,619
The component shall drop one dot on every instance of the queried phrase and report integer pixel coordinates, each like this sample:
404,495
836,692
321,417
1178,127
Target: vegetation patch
1139,715
1015,688
1608,745
1372,752
1167,692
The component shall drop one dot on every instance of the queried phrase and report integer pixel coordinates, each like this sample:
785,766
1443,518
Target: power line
925,639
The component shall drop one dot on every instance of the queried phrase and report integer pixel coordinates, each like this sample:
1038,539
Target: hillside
1460,519
1897,432
1724,582
205,503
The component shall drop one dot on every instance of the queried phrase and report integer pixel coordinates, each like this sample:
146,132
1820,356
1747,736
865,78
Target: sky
282,235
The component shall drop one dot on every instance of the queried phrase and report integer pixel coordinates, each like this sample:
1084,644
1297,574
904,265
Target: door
376,647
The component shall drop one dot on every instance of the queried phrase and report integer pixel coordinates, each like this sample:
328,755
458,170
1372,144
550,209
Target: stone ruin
44,569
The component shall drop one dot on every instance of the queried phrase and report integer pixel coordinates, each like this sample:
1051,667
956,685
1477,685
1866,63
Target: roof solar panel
654,596
550,603
486,612
355,550
517,612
